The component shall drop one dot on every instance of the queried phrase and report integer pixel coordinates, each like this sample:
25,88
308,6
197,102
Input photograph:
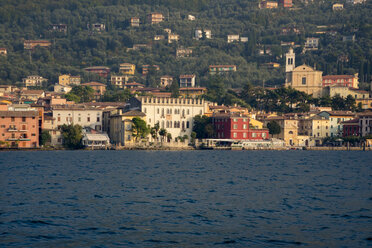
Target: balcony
12,129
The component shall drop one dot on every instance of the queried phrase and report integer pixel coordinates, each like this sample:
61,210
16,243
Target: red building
350,128
350,81
236,126
286,3
102,71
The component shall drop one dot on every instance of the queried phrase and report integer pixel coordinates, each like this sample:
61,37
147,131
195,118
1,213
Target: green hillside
79,47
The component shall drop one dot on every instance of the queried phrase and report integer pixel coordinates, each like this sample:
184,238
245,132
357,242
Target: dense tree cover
45,137
81,47
203,127
140,128
80,94
72,136
274,127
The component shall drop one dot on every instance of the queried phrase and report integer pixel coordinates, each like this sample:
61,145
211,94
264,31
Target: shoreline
194,149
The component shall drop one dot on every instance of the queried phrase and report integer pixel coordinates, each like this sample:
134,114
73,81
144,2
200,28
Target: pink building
350,128
19,129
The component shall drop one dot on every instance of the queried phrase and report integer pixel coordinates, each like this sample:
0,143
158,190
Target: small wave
283,242
127,228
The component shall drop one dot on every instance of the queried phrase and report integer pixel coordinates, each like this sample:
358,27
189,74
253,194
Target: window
187,124
2,126
304,80
263,135
145,110
235,126
59,118
244,135
79,119
12,119
33,134
235,120
235,135
188,111
244,126
97,119
254,135
23,119
88,119
290,132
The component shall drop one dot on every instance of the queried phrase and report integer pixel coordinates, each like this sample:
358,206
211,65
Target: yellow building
192,91
121,133
127,69
289,129
66,80
306,79
316,127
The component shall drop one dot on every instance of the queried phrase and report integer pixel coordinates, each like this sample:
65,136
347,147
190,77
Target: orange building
19,129
31,44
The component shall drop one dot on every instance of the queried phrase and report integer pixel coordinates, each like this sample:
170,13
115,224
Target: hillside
81,47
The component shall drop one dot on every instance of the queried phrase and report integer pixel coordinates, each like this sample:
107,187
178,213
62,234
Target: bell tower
290,60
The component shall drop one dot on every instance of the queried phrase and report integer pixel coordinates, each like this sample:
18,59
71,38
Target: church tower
290,60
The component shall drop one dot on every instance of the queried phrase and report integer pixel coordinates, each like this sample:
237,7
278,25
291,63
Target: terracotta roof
336,113
337,76
32,92
94,84
31,113
97,68
134,84
353,121
187,76
230,115
133,113
192,88
369,113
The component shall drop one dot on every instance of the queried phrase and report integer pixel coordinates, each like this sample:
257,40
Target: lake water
185,199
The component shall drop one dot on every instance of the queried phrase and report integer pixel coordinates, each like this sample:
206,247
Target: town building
365,124
233,38
102,71
220,69
155,18
290,63
135,22
286,3
316,127
356,1
146,68
173,37
306,79
3,51
202,33
192,91
183,52
345,91
348,38
31,95
134,86
311,44
190,17
34,81
159,37
99,88
98,27
166,81
351,128
288,129
351,81
336,118
127,69
31,44
121,127
95,140
187,81
119,80
337,6
174,114
268,5
62,88
19,128
84,116
236,126
59,28
69,80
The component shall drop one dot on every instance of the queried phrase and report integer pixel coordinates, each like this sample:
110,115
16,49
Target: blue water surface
186,199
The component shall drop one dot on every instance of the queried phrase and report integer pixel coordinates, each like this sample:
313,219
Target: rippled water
185,199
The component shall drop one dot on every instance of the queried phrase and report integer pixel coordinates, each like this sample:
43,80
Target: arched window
167,124
162,124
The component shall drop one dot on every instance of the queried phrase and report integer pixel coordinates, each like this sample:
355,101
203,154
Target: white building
81,115
34,81
187,81
233,37
174,114
365,123
62,88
